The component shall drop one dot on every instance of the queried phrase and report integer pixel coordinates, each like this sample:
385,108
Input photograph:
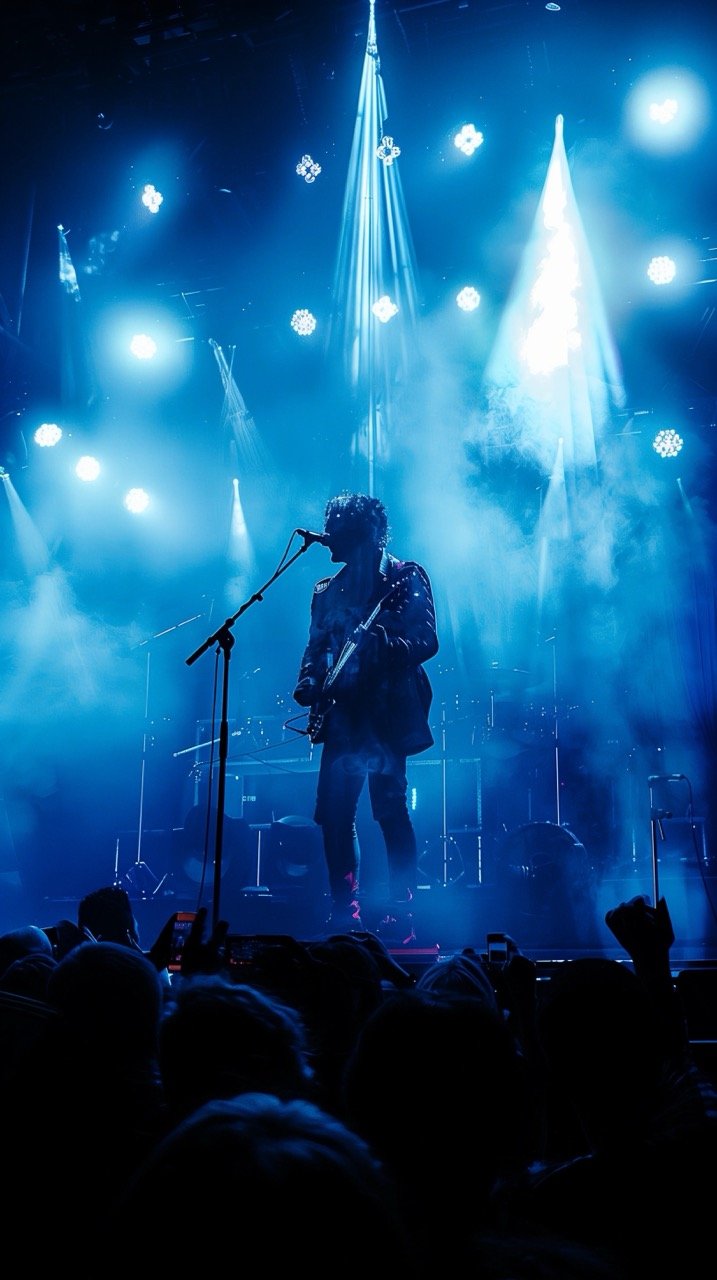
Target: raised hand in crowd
646,933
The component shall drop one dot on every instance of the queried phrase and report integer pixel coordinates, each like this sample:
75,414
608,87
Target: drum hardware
451,867
140,878
515,730
656,819
448,868
522,743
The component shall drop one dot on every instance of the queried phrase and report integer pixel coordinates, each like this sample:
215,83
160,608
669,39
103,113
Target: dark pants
342,775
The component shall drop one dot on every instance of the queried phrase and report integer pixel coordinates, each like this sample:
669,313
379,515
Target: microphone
310,537
666,777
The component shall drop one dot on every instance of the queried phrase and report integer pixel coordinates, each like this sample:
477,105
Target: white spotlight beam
252,455
375,259
554,366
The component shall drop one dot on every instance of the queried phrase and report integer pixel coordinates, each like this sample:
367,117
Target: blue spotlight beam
251,453
375,258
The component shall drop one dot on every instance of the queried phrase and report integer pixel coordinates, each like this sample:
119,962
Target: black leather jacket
382,692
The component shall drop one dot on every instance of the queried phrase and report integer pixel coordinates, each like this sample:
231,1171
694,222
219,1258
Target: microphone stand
656,827
225,640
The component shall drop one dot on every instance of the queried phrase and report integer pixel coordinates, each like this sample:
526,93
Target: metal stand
656,828
258,887
446,837
225,640
656,816
450,852
117,880
140,877
556,725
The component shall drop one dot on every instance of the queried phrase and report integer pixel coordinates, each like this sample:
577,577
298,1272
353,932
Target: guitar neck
351,645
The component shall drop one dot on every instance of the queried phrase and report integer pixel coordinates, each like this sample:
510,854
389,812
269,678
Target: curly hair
361,513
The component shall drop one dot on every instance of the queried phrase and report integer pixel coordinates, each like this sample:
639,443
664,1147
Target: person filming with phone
372,627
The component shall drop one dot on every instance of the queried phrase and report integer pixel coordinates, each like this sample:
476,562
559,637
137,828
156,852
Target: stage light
667,110
387,151
308,169
667,443
47,435
151,198
136,501
384,309
303,323
468,298
661,270
143,347
468,139
88,468
664,112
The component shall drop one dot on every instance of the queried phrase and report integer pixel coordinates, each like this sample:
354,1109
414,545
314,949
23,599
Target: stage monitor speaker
189,866
294,856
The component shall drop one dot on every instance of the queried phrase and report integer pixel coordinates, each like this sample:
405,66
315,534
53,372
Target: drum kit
513,727
506,717
496,745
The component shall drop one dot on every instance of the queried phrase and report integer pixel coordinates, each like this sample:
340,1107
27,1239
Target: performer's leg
341,780
388,800
402,855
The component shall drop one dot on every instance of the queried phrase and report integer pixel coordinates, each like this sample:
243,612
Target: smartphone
496,946
183,921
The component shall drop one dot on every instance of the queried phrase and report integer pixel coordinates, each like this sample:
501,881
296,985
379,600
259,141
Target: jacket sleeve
406,630
314,663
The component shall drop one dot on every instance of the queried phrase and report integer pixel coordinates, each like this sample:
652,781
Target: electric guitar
321,708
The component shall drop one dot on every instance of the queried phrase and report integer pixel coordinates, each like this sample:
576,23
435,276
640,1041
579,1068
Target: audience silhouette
631,1116
277,1181
463,1116
437,1086
218,1039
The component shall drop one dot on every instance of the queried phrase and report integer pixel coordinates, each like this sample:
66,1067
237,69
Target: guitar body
317,718
322,707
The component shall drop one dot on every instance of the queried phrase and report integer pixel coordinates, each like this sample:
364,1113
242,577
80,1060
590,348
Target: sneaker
345,918
396,928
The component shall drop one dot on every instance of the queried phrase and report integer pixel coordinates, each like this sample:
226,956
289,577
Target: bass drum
540,848
550,879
